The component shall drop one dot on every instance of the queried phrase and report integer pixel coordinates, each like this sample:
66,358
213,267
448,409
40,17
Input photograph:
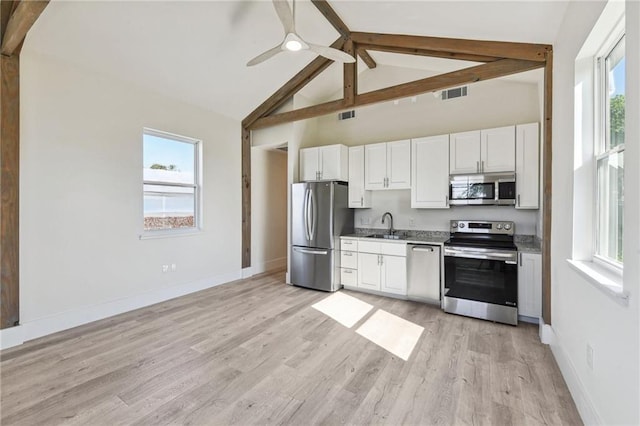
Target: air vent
454,93
347,115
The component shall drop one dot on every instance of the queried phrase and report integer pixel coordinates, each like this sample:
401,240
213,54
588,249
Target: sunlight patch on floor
345,309
392,333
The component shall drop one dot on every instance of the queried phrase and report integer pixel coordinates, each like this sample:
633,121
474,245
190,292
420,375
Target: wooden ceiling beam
474,74
350,75
19,24
496,49
291,87
327,11
430,53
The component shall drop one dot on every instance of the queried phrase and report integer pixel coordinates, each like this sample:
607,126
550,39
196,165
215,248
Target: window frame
196,185
602,136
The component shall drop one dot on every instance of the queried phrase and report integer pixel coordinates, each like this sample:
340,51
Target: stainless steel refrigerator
319,215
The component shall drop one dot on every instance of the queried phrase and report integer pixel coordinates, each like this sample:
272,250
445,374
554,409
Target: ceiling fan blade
265,55
331,53
284,13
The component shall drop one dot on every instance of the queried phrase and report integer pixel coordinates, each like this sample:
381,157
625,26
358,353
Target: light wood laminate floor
256,352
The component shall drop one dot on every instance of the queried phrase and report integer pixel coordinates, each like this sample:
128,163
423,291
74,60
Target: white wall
81,198
492,103
268,209
581,313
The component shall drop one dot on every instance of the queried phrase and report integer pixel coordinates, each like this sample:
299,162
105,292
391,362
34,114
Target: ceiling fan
292,42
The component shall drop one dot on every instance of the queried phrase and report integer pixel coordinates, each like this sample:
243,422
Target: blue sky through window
159,150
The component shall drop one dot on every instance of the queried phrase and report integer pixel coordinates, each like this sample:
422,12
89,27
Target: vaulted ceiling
197,51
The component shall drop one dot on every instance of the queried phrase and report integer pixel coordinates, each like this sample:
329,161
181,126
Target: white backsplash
398,203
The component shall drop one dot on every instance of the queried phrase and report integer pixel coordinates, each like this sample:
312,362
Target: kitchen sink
387,236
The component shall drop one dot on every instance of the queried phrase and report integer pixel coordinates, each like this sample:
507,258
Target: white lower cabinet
394,270
382,267
369,276
530,285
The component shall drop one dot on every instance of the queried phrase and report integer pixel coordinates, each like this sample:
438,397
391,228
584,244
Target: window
170,181
609,156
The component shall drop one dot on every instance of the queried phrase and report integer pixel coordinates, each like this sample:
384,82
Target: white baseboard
52,324
269,265
585,406
547,336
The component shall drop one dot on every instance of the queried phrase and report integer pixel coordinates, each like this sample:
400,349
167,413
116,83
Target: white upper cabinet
399,164
387,165
329,162
498,150
483,151
465,152
358,197
375,166
309,164
430,172
527,166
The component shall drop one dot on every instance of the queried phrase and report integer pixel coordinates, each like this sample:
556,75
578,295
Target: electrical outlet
365,220
165,268
173,267
589,357
412,222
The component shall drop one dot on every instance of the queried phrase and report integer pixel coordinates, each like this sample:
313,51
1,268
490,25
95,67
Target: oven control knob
454,225
507,226
461,225
499,226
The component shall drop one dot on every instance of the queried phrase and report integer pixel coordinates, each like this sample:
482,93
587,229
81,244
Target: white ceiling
196,51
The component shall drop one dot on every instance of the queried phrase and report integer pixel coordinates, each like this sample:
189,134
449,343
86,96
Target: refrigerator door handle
307,214
314,215
311,251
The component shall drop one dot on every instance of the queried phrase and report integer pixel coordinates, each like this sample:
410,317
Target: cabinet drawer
394,249
349,259
349,277
369,247
348,245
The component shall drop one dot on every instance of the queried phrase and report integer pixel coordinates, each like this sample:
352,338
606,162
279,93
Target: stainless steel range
481,271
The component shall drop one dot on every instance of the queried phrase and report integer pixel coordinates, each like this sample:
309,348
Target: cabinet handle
518,200
446,200
362,201
347,271
348,254
381,259
482,166
478,166
520,256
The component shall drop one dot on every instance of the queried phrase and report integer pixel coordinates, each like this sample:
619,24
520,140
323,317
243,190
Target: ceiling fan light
293,45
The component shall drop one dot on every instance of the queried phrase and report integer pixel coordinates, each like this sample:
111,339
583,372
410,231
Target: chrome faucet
391,230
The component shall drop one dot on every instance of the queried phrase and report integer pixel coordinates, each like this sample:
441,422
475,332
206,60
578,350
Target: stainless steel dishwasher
423,272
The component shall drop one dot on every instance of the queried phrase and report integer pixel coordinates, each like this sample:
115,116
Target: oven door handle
510,258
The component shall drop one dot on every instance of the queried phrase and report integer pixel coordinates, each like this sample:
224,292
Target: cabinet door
399,164
394,275
309,160
358,197
375,166
430,172
464,152
498,150
530,285
333,162
369,271
527,166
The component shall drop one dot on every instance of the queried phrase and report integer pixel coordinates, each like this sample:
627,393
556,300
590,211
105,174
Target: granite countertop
528,243
410,236
525,243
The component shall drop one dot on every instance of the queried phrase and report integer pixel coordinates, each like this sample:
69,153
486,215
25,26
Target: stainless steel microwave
482,189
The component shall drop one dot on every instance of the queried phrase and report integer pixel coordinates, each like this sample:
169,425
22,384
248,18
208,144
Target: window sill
603,279
153,235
